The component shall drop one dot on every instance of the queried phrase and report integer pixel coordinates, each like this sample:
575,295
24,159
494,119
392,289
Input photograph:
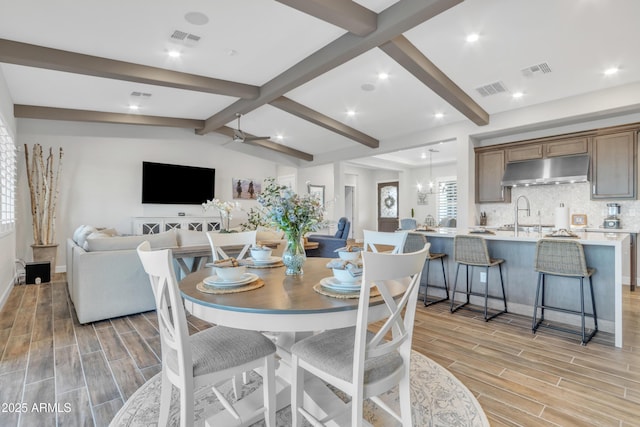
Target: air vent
536,70
184,38
142,94
492,89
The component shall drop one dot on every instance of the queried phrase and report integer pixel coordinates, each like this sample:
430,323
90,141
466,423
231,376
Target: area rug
438,399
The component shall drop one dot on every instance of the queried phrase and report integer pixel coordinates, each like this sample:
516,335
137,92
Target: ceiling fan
240,136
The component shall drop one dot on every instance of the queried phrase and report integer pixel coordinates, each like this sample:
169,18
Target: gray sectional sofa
105,276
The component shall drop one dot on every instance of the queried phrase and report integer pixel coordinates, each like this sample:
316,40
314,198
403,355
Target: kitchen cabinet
525,152
566,147
613,166
489,172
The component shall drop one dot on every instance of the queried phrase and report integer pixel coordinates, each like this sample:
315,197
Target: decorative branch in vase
43,178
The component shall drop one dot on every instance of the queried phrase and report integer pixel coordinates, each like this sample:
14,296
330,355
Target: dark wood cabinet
525,152
613,166
489,172
566,147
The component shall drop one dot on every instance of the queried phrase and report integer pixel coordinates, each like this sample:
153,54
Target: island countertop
603,251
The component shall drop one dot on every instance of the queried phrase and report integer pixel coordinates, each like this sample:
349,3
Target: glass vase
294,256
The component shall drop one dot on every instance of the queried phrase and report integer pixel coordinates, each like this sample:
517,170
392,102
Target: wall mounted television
176,184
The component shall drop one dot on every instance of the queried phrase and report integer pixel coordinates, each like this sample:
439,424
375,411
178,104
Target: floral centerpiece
295,215
224,209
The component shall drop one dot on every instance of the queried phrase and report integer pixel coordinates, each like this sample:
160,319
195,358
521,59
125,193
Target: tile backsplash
545,198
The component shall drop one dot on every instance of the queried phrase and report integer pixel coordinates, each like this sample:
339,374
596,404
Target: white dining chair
374,238
207,358
361,363
219,241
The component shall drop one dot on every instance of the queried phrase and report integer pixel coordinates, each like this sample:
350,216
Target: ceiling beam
395,20
29,55
268,144
408,55
346,14
49,113
315,117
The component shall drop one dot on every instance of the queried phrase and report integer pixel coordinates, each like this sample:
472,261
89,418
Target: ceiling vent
141,94
536,70
492,89
184,38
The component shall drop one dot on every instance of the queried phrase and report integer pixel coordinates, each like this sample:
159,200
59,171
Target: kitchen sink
528,228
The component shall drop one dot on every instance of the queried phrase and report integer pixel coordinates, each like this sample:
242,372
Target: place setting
230,277
347,275
261,257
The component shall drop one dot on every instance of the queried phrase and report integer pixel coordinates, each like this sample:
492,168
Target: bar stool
563,258
414,243
472,251
429,301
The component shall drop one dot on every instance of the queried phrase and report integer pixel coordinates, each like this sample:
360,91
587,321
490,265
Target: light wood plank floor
85,372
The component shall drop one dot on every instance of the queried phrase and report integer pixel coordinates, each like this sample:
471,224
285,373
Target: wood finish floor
80,375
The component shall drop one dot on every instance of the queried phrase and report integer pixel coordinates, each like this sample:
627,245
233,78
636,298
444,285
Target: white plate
333,284
219,283
270,260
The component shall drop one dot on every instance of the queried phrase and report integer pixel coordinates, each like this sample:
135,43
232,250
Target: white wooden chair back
395,239
219,241
172,320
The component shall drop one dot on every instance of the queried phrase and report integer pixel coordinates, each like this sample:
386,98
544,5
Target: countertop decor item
295,215
43,177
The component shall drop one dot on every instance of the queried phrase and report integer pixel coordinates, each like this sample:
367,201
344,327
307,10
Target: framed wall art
246,188
317,191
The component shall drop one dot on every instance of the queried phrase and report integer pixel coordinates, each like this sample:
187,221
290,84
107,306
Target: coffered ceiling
334,79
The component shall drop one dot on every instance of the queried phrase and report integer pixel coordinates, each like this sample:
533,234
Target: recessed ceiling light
423,155
438,115
196,18
517,95
383,76
611,71
279,137
174,53
351,113
134,107
472,38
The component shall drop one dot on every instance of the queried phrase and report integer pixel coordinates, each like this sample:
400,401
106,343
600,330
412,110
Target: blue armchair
328,244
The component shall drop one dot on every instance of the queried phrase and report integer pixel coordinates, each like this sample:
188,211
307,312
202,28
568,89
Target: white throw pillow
192,238
83,234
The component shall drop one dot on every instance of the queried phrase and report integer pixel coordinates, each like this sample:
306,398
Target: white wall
7,240
102,173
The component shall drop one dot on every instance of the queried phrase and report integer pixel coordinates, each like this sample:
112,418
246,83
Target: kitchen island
603,251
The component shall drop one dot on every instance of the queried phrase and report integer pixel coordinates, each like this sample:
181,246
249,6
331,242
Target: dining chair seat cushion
332,352
219,348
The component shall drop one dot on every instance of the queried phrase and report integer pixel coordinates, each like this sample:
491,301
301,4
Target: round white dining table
283,304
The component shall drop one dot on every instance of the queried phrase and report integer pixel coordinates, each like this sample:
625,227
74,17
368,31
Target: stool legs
486,295
540,303
426,285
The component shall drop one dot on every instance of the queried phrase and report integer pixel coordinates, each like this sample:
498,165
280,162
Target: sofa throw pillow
157,241
83,234
191,238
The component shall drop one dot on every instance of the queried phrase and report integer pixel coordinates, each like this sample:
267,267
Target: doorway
388,206
349,206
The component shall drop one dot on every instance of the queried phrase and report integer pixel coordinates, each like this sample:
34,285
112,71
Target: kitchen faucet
517,211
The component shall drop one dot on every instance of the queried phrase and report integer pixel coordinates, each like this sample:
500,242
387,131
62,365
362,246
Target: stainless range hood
554,170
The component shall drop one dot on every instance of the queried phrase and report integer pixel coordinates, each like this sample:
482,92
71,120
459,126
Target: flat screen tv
177,185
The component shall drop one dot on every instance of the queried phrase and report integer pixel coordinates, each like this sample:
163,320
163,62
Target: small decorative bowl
349,256
230,274
343,276
260,254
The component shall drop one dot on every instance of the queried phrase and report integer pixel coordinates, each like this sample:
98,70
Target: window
7,180
447,200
